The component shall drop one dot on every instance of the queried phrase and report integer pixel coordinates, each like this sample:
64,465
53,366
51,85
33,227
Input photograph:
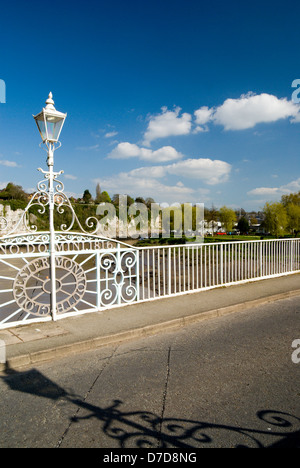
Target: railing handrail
215,243
104,275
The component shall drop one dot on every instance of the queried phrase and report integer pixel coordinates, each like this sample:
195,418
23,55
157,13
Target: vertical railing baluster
169,272
98,284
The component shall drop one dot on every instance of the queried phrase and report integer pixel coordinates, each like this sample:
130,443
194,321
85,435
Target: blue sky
181,101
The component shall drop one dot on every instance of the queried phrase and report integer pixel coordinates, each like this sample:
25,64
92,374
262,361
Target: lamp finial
50,102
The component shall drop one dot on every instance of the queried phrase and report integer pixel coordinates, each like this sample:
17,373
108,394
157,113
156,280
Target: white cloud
199,129
144,181
153,172
234,114
127,150
264,191
138,183
110,134
203,116
165,154
248,111
136,186
6,163
168,123
291,187
207,170
70,177
87,148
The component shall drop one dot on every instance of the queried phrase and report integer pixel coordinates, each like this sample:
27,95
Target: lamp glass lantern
50,122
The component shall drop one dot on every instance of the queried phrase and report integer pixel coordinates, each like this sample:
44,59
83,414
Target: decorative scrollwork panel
87,274
118,277
22,280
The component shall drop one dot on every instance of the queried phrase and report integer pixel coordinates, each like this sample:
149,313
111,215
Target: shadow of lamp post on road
143,429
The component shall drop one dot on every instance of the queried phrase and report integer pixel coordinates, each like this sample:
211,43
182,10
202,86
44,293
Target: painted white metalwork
50,122
63,271
175,270
120,282
54,274
32,285
93,273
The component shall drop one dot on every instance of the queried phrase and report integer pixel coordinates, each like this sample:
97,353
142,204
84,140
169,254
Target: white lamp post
50,122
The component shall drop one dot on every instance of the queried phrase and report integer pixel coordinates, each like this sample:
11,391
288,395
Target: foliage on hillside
279,218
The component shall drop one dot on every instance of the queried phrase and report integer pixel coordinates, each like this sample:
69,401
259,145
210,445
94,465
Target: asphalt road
225,382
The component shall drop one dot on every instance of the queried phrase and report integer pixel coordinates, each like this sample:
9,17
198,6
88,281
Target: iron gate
91,273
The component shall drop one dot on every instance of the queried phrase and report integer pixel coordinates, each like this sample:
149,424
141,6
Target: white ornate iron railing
93,273
50,275
174,270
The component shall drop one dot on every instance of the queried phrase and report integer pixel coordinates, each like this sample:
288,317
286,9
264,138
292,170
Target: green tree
103,198
292,198
115,199
149,202
98,194
87,197
130,200
227,218
211,216
140,200
172,220
118,198
276,219
293,213
243,225
13,192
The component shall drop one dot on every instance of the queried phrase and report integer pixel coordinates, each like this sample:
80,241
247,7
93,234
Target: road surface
225,382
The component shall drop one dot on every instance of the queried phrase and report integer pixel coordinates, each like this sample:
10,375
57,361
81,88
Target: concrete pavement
31,344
